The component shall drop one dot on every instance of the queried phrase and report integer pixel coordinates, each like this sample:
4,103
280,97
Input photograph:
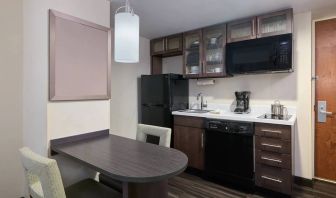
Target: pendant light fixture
126,35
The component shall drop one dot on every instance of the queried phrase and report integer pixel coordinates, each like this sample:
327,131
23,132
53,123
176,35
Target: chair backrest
44,172
154,134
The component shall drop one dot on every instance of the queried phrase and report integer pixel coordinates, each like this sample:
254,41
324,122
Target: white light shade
126,38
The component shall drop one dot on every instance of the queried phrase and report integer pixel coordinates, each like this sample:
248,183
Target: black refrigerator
160,95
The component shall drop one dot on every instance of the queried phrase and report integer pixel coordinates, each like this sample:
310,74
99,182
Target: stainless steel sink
195,111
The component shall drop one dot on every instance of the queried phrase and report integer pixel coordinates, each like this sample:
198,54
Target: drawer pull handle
271,131
272,179
270,159
271,145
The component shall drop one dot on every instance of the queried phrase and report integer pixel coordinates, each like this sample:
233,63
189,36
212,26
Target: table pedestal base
146,190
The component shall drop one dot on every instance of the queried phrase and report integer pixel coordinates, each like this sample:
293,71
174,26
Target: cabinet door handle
271,131
202,140
271,159
254,32
272,179
271,145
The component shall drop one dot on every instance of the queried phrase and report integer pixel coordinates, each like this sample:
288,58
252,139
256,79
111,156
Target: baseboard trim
303,181
325,180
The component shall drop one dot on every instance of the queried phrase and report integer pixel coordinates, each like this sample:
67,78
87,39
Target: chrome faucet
203,105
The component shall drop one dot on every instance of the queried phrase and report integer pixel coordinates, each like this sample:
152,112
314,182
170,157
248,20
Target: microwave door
253,58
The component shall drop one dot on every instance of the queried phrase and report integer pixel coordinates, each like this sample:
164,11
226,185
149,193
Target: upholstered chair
154,134
44,180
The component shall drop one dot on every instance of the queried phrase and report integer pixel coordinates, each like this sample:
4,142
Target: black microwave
262,55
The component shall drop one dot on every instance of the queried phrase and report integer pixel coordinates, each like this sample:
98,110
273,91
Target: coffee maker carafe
242,102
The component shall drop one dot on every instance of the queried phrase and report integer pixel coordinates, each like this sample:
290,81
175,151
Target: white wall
325,13
304,146
11,180
172,65
125,95
73,118
293,89
43,120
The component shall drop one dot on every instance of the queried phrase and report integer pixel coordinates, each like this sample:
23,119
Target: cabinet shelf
215,63
210,52
192,49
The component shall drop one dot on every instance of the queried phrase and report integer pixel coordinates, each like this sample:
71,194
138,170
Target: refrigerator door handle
156,105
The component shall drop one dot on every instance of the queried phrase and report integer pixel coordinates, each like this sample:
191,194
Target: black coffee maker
242,102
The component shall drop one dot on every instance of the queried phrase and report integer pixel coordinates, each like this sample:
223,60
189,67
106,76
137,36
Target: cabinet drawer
189,121
273,130
274,159
274,145
272,178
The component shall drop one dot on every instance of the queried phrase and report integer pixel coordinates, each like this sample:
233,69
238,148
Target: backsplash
264,88
255,109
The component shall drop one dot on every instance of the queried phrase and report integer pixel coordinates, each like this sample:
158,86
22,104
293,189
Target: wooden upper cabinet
167,46
158,46
174,43
192,57
164,47
241,30
271,24
214,41
275,23
204,52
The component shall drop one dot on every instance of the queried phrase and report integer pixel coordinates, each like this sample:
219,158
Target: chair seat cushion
89,188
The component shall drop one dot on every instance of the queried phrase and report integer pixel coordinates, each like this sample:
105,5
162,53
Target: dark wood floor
188,186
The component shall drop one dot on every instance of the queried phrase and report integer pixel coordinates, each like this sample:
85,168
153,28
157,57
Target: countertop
256,111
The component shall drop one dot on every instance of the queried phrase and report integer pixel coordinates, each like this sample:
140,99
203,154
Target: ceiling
164,17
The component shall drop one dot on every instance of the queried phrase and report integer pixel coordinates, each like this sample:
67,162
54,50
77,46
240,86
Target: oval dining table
143,168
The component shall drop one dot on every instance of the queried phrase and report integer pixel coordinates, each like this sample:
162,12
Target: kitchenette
226,90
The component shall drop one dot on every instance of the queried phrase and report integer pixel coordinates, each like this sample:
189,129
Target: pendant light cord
127,7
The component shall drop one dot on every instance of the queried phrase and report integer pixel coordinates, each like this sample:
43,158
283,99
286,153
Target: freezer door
155,90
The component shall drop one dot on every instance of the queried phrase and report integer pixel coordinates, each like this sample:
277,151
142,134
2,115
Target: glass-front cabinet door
241,30
214,41
174,43
193,54
275,23
158,46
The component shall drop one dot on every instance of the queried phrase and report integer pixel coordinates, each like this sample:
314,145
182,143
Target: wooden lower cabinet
273,151
273,178
189,140
274,157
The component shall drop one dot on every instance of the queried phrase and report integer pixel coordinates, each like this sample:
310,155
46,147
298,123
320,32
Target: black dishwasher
229,153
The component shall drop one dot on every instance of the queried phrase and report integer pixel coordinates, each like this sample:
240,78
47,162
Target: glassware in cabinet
275,23
214,41
241,30
193,53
